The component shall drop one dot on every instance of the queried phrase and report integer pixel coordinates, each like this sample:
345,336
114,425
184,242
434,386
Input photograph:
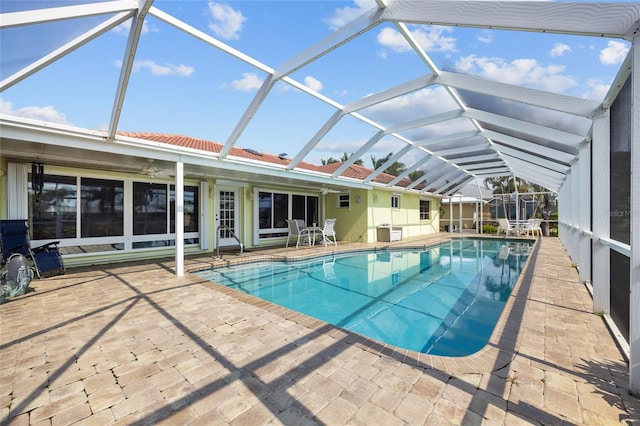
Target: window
275,208
425,209
149,208
344,201
101,207
81,209
395,201
53,208
191,208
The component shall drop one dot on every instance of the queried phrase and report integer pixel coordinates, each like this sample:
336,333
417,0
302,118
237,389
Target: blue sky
181,85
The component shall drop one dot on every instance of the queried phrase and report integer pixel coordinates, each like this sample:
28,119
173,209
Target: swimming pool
441,300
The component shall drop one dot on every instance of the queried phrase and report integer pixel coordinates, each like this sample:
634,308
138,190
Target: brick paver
127,343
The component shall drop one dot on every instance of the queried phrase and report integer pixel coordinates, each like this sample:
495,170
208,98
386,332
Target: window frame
344,200
273,232
395,202
425,214
77,245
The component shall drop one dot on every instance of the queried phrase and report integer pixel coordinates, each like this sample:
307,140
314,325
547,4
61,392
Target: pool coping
500,350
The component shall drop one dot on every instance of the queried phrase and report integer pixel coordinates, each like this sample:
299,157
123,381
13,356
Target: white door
227,216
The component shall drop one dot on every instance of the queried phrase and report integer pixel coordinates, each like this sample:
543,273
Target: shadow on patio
134,344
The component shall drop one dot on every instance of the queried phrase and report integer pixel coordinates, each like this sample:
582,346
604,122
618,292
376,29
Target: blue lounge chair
14,238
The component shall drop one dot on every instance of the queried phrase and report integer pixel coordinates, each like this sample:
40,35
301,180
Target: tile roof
354,171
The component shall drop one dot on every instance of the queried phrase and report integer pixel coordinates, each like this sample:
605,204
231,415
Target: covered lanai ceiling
479,129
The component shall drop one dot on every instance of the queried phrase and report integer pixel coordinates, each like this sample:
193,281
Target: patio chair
329,232
536,229
297,231
506,227
14,238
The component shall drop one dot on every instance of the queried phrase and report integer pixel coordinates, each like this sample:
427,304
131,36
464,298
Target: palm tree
342,159
416,174
395,169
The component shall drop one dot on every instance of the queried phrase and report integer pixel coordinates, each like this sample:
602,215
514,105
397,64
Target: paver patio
134,344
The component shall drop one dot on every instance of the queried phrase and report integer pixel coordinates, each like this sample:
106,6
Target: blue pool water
441,300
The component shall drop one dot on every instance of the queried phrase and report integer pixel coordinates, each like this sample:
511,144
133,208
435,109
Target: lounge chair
14,238
298,232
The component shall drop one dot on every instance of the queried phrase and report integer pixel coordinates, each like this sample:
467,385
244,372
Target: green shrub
489,229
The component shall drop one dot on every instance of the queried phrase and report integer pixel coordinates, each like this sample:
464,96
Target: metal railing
225,227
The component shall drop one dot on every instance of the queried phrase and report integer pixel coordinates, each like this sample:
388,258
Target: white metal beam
448,138
251,110
553,101
63,50
473,159
388,163
634,302
425,121
454,184
529,146
445,180
484,165
453,190
353,29
385,95
463,150
41,16
179,218
364,148
589,19
424,160
127,65
518,164
601,181
584,213
437,170
544,162
328,125
544,132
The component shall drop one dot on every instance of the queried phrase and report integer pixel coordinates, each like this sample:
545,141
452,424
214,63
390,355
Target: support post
584,214
179,218
634,302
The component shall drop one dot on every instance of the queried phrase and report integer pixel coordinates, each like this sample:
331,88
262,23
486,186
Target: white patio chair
329,232
295,230
506,227
536,229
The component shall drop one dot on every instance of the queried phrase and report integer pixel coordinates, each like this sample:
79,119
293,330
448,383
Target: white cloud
431,38
227,22
485,36
344,15
247,83
614,53
559,49
156,69
525,72
46,113
313,83
598,90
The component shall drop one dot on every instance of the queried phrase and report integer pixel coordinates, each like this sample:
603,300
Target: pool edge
499,351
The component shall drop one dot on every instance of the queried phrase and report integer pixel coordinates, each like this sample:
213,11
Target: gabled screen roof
455,90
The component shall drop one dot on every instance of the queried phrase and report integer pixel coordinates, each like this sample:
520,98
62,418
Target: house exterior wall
358,222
